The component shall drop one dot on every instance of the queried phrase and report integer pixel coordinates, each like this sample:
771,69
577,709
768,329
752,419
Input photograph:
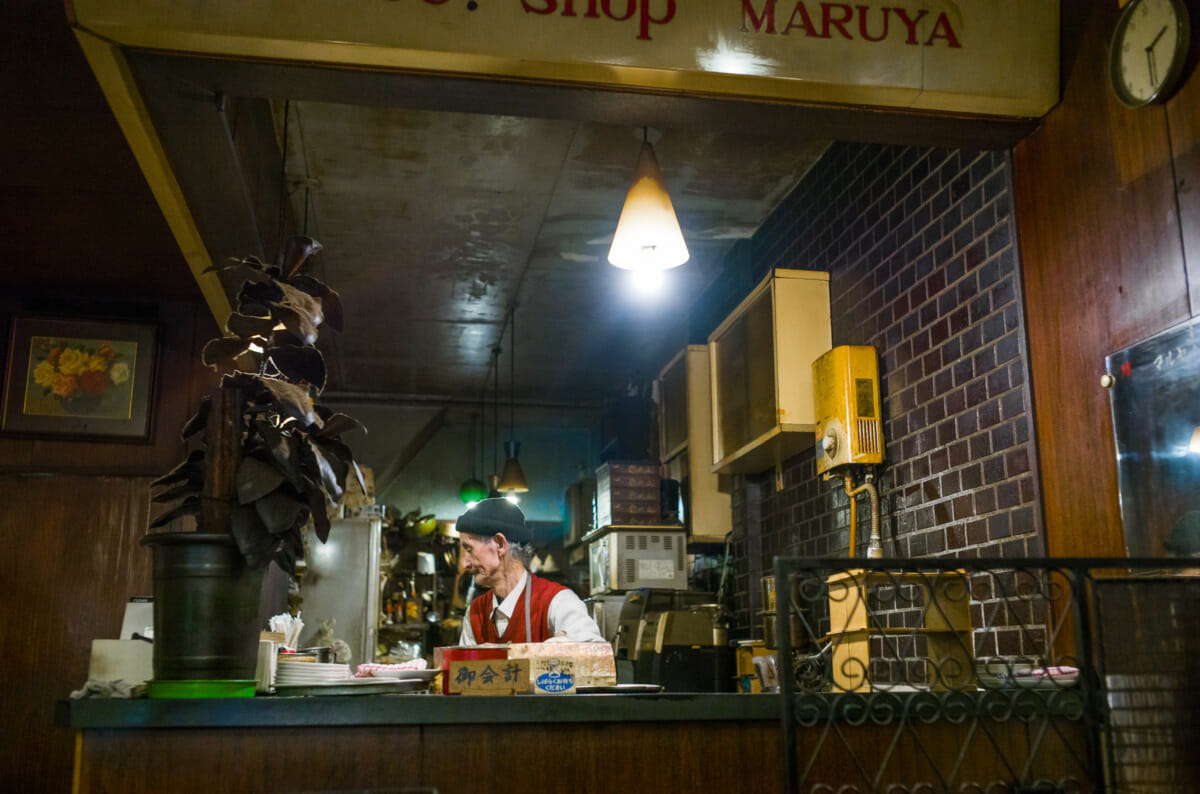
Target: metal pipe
875,544
849,481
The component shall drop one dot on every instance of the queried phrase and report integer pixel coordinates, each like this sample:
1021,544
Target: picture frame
83,378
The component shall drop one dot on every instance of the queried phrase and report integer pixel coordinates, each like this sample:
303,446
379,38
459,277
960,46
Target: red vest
484,628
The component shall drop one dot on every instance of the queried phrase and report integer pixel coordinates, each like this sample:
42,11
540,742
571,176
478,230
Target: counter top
423,709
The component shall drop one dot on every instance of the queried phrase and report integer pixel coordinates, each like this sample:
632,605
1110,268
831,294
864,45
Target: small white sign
655,569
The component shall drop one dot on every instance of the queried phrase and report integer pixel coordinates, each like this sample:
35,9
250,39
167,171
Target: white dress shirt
567,615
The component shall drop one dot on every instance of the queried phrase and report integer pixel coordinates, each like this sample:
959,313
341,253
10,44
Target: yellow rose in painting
72,362
119,372
96,363
43,374
64,385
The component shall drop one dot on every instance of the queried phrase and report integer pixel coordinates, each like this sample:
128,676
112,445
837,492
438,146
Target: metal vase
206,604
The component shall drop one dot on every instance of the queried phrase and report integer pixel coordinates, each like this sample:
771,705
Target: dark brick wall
919,245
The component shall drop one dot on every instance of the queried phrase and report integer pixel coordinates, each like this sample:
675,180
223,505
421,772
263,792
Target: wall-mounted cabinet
685,438
761,359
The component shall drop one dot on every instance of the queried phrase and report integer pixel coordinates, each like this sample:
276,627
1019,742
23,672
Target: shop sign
972,56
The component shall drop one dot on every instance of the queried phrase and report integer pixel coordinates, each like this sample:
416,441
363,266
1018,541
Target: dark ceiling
442,204
77,214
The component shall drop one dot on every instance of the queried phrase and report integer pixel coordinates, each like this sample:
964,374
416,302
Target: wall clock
1149,50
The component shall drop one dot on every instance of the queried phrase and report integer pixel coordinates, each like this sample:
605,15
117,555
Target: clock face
1149,47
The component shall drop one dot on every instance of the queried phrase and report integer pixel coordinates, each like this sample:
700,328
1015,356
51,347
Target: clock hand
1153,70
1150,46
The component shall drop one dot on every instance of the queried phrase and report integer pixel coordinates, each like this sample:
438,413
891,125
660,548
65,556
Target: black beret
496,515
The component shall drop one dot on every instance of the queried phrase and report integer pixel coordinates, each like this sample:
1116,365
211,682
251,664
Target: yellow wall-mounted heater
847,407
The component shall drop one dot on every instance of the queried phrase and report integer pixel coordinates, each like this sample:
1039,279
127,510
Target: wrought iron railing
989,676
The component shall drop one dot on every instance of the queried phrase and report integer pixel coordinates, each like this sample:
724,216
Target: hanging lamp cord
495,405
512,370
283,194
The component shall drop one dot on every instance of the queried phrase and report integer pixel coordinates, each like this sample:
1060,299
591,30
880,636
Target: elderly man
496,546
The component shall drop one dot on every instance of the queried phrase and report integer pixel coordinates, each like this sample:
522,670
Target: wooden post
223,437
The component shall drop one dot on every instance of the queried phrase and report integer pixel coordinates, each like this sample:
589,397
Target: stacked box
628,493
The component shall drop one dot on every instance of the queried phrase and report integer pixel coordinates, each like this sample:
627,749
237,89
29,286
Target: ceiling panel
436,223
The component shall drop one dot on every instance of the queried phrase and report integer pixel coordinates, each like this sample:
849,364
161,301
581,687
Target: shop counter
666,742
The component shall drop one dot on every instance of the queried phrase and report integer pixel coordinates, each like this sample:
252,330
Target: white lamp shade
648,235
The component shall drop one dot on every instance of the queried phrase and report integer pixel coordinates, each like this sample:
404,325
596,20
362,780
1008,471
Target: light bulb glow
646,282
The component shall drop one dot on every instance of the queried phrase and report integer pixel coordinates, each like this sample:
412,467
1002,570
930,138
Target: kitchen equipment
627,557
606,611
342,584
643,603
318,654
686,650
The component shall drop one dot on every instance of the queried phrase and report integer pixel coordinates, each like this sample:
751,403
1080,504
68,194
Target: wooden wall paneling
71,561
258,760
1183,118
672,758
1102,267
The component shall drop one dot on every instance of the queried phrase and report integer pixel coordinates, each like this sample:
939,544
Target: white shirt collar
509,604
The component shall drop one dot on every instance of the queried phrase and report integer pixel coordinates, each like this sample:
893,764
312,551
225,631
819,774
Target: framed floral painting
79,377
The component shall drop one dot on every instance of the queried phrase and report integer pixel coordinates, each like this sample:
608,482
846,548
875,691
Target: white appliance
342,583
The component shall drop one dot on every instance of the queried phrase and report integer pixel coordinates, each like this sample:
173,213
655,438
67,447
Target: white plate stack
310,673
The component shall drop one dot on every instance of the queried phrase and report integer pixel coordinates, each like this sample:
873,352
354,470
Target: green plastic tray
200,689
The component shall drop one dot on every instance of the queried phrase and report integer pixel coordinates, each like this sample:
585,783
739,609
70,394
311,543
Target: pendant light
648,237
512,479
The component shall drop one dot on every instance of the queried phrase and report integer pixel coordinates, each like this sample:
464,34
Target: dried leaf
254,293
331,302
199,421
300,326
247,326
331,470
316,506
227,348
256,479
281,447
299,364
331,305
250,268
192,465
189,488
287,551
253,539
295,252
279,511
291,400
188,507
339,423
362,484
